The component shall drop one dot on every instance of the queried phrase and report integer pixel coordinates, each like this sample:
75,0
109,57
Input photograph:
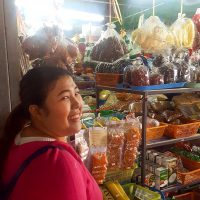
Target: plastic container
183,130
190,164
188,196
156,132
189,177
139,192
121,175
106,79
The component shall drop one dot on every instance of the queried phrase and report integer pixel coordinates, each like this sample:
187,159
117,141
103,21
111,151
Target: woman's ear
35,112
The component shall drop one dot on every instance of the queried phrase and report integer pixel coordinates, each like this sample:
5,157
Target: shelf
180,186
168,141
150,92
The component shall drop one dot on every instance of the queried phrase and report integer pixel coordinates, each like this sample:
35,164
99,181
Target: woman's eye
65,98
77,93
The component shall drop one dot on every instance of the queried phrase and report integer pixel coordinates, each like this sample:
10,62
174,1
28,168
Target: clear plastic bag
169,71
153,36
155,77
140,76
110,46
43,43
196,19
183,30
183,71
98,163
115,145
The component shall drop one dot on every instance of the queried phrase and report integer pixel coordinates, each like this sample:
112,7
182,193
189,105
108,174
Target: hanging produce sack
153,36
110,47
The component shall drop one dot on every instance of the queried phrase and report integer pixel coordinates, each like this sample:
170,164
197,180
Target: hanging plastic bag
110,47
153,36
183,30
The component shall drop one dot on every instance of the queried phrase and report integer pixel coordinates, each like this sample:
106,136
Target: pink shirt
54,175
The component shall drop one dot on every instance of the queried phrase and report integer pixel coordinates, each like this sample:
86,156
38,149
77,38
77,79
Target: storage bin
183,130
108,79
156,132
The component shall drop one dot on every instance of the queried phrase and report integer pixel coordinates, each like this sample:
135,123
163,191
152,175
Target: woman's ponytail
14,123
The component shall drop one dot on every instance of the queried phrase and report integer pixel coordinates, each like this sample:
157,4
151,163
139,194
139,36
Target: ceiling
131,10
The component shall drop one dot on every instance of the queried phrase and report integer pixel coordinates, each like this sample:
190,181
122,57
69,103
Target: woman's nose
76,102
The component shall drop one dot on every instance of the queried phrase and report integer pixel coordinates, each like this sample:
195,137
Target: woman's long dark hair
33,90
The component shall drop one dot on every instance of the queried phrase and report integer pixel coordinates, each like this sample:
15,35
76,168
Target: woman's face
63,109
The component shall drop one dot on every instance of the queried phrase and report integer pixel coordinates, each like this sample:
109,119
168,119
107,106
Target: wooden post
9,59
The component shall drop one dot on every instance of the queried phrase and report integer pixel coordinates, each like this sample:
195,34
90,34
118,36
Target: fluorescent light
84,16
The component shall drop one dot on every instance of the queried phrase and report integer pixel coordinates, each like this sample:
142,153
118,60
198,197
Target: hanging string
153,7
117,11
110,12
181,7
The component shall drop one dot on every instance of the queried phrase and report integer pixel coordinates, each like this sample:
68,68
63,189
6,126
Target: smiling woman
50,110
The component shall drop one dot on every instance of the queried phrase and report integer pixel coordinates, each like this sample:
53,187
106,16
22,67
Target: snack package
155,77
171,116
131,143
110,47
140,76
169,71
81,145
196,19
183,30
43,43
183,69
153,36
115,145
98,163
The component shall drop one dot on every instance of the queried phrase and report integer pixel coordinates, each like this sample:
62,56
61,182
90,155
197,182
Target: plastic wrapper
153,36
183,71
132,139
150,122
81,145
156,78
158,61
115,145
140,76
183,30
169,71
116,67
43,43
196,19
110,47
171,116
159,106
98,163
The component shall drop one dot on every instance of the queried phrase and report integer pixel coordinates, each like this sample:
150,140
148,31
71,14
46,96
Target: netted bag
110,46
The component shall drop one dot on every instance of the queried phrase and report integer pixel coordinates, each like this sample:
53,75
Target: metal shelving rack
154,144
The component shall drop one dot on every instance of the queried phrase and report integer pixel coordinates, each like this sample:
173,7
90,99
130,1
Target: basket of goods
195,195
182,130
155,129
189,172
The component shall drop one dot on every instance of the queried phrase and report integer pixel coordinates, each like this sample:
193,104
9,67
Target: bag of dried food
110,46
153,36
155,77
169,71
183,30
115,145
140,76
